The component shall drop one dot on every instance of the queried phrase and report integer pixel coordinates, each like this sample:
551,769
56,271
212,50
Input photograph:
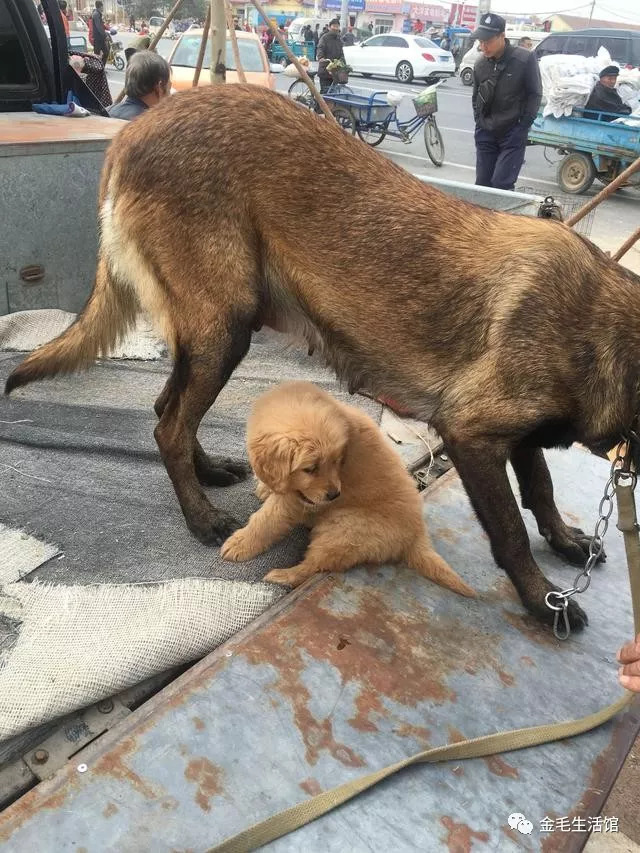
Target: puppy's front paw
239,547
285,577
262,491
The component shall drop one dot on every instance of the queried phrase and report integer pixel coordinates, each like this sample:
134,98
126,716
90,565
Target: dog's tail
430,565
110,312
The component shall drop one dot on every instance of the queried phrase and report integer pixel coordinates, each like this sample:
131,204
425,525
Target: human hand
629,673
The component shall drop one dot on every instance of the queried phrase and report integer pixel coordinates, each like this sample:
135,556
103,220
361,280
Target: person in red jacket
63,14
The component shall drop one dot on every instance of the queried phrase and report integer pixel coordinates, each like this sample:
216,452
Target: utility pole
218,42
593,5
344,15
484,6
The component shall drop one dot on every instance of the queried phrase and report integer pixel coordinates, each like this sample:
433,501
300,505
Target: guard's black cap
489,25
610,71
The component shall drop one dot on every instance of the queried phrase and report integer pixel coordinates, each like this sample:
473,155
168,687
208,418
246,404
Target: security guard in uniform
506,96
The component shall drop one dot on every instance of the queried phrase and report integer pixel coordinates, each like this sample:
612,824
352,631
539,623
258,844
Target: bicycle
373,119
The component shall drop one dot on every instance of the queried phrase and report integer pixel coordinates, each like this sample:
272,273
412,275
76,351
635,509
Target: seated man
147,82
604,97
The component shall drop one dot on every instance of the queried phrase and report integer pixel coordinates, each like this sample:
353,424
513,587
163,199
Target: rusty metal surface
32,129
351,674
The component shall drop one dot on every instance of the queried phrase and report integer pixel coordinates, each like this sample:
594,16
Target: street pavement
613,220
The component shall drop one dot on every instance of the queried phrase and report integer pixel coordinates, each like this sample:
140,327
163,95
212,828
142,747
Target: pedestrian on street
316,35
146,83
525,42
370,27
506,96
604,97
99,33
348,39
63,14
329,48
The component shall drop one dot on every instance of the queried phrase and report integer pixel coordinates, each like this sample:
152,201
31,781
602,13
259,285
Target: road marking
462,166
456,129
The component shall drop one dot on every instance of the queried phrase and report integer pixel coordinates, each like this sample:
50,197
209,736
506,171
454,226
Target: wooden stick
290,55
165,24
203,47
627,245
603,194
217,68
234,42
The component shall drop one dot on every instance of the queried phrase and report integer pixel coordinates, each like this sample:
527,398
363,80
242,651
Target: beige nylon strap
293,818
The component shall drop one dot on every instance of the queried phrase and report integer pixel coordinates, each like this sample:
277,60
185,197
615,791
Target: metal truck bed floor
348,675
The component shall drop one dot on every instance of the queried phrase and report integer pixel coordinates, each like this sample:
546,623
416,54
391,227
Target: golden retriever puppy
327,466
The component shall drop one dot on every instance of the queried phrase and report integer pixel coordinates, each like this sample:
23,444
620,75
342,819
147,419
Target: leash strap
293,818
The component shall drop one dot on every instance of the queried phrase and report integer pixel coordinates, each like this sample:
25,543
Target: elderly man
506,95
147,82
329,48
604,98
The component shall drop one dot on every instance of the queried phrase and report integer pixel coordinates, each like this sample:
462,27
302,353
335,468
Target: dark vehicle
623,45
33,67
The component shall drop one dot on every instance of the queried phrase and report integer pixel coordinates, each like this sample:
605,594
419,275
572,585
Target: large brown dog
228,208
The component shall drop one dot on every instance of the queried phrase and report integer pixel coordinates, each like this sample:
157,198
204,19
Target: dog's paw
285,577
572,544
214,471
578,619
213,527
262,491
239,547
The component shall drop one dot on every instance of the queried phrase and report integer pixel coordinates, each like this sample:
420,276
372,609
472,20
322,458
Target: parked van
514,36
623,45
298,24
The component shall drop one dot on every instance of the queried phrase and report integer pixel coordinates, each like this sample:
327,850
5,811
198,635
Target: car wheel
366,74
576,173
467,76
404,72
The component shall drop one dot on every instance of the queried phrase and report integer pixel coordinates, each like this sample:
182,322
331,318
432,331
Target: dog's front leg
268,525
536,491
482,469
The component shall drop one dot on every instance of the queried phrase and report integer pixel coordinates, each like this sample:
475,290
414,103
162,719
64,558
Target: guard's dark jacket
606,100
329,47
506,92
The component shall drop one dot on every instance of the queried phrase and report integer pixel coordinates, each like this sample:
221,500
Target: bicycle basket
426,103
424,110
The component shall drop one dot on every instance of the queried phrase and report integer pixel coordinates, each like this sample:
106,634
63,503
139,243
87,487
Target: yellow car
253,58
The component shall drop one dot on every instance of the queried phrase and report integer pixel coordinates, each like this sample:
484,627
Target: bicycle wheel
433,141
345,119
372,134
301,94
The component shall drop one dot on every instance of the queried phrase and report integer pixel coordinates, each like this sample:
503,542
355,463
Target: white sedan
401,56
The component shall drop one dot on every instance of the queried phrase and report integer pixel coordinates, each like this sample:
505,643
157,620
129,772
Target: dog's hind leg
203,364
536,491
482,469
210,470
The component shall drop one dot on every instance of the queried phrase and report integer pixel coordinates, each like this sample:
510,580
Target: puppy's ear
271,458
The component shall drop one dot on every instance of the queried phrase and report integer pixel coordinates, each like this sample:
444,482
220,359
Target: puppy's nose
332,494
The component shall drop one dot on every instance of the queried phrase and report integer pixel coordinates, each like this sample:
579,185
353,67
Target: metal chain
558,601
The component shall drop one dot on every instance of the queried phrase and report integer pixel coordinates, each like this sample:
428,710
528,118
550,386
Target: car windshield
186,54
426,43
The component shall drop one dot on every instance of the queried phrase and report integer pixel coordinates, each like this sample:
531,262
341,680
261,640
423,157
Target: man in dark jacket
100,47
604,97
329,48
506,96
